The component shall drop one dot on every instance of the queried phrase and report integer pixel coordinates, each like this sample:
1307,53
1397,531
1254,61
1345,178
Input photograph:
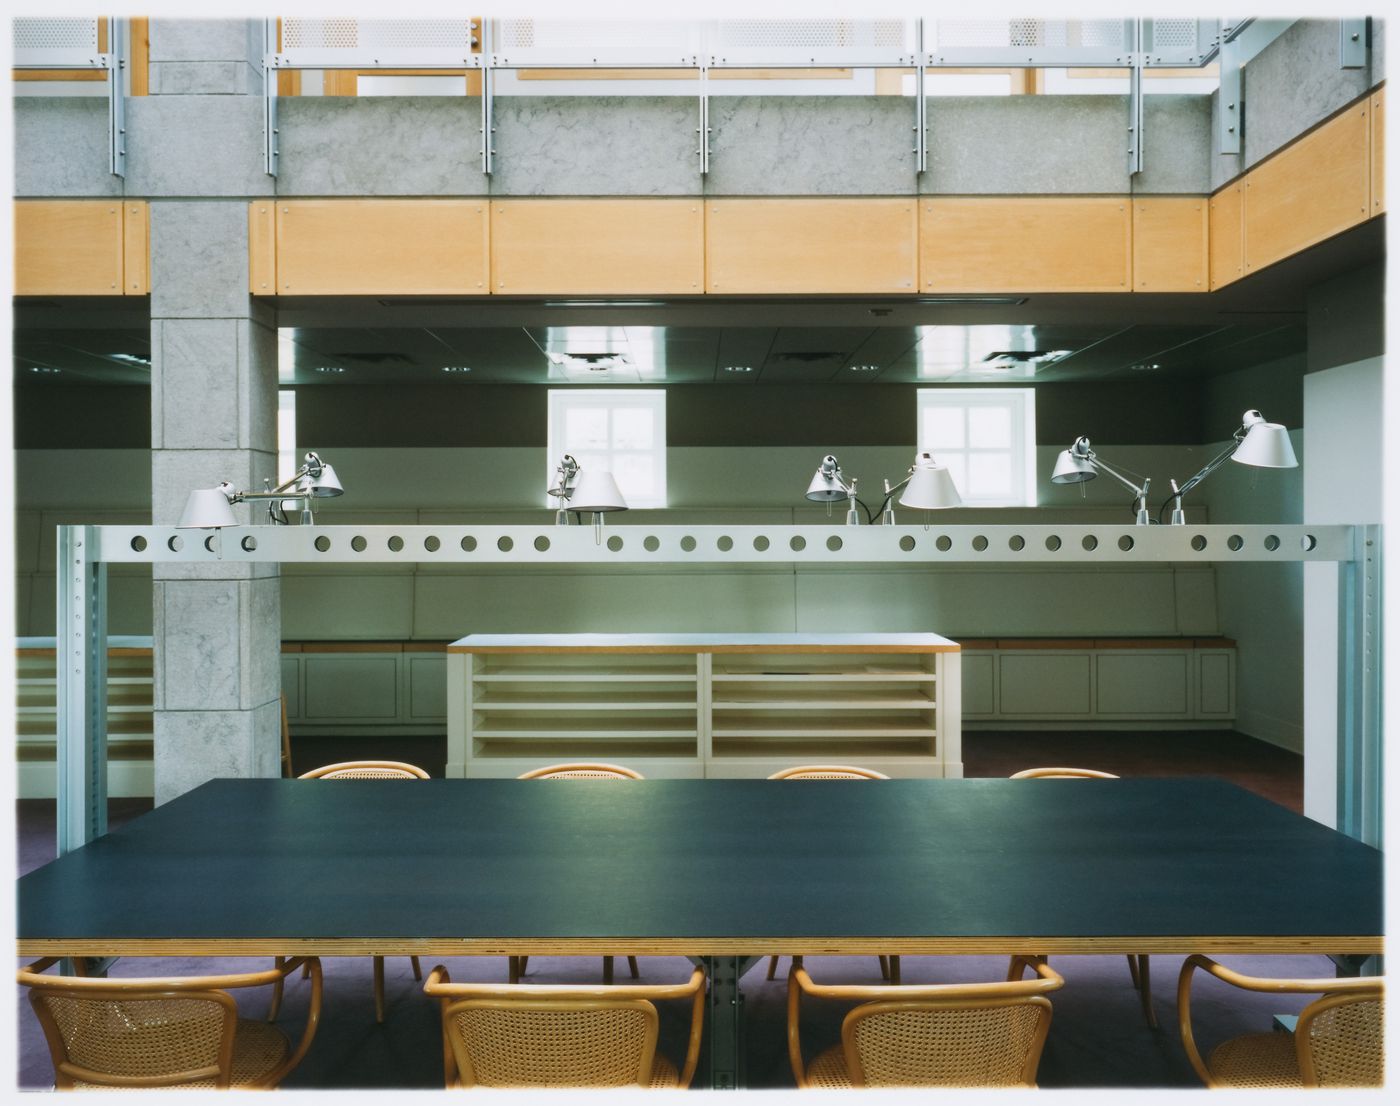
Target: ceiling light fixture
738,368
330,368
45,370
865,368
130,358
456,368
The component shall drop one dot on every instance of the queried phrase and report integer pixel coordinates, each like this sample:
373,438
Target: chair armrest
313,1018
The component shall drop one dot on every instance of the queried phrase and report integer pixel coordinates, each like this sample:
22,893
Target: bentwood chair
1139,967
930,1035
1338,1042
164,1032
524,1035
364,770
889,966
578,770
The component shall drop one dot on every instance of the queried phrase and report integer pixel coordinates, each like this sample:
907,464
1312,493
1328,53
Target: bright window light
986,437
287,462
618,431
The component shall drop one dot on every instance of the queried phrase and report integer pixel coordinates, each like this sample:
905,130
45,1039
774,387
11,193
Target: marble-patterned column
217,629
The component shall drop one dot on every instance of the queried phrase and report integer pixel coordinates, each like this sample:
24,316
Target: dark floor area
1099,1038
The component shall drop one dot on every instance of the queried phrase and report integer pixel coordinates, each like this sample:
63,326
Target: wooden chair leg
1133,971
772,966
417,968
894,970
275,1006
1142,977
379,989
884,967
607,969
632,967
306,971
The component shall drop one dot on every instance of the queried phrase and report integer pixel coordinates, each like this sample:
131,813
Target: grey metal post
1355,43
1359,754
1135,111
488,92
116,94
81,661
271,152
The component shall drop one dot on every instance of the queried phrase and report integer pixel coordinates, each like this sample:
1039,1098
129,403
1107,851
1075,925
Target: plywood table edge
694,946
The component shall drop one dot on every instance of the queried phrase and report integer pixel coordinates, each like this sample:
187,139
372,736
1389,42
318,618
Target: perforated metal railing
70,43
54,34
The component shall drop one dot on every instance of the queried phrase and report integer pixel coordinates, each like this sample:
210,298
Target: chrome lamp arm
1257,442
1080,463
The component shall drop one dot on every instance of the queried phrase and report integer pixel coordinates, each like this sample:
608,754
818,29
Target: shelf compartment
555,750
826,699
576,700
581,676
820,733
810,750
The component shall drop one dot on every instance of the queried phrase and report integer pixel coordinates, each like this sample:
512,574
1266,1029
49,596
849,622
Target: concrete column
217,629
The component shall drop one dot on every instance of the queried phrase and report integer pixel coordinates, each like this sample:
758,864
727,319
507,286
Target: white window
287,460
617,431
986,437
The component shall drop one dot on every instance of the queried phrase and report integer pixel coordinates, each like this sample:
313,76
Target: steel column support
703,130
920,102
81,661
1231,97
269,67
725,1031
488,96
1355,46
1359,754
1135,113
117,29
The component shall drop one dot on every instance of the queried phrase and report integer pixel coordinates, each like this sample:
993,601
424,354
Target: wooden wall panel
140,56
1378,152
855,245
1227,235
68,248
1311,190
376,247
597,246
1171,244
262,248
1025,244
136,248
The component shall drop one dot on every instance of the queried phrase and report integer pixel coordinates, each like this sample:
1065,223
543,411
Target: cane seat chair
943,1034
578,770
526,1035
1139,966
164,1032
889,966
364,770
1338,1042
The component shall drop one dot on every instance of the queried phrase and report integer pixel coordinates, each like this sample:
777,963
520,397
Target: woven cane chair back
1062,774
366,770
1341,1042
828,772
582,770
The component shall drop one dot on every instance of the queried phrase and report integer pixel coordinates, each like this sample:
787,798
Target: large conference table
720,869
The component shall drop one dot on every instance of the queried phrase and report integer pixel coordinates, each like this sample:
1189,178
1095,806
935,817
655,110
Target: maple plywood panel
1313,189
776,246
136,248
597,246
1227,235
1171,244
1378,153
68,247
262,248
381,247
1025,244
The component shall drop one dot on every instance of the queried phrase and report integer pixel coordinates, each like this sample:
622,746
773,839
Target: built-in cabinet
364,688
704,705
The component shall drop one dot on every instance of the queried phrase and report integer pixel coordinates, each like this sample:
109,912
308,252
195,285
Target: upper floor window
986,437
622,431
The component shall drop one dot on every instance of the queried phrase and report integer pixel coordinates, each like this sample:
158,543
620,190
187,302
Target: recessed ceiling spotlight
330,368
456,368
44,370
865,368
738,368
1144,367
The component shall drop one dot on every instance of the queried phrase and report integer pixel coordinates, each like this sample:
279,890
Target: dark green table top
709,867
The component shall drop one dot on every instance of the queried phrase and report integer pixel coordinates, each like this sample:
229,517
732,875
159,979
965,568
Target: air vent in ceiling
805,357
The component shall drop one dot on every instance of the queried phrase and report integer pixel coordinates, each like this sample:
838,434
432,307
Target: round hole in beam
1271,543
1053,543
469,544
175,544
615,543
138,543
943,543
761,543
834,543
979,543
209,543
322,544
541,544
725,543
1235,542
395,544
1016,543
504,544
797,544
1309,543
1198,542
358,544
431,544
907,543
688,544
1090,543
1126,543
651,543
249,544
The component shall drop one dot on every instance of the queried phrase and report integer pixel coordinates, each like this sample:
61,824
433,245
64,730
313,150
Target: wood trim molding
58,74
136,248
262,248
1227,235
140,60
1378,151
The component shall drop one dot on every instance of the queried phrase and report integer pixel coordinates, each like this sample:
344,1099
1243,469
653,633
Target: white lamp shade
206,509
930,488
1266,445
1072,469
323,486
826,487
596,492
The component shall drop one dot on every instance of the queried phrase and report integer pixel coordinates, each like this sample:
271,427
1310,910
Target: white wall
1343,437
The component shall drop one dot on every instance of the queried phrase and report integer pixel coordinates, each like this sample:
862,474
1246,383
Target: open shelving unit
704,704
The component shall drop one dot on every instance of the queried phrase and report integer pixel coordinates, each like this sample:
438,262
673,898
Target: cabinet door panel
1045,684
351,686
1143,683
